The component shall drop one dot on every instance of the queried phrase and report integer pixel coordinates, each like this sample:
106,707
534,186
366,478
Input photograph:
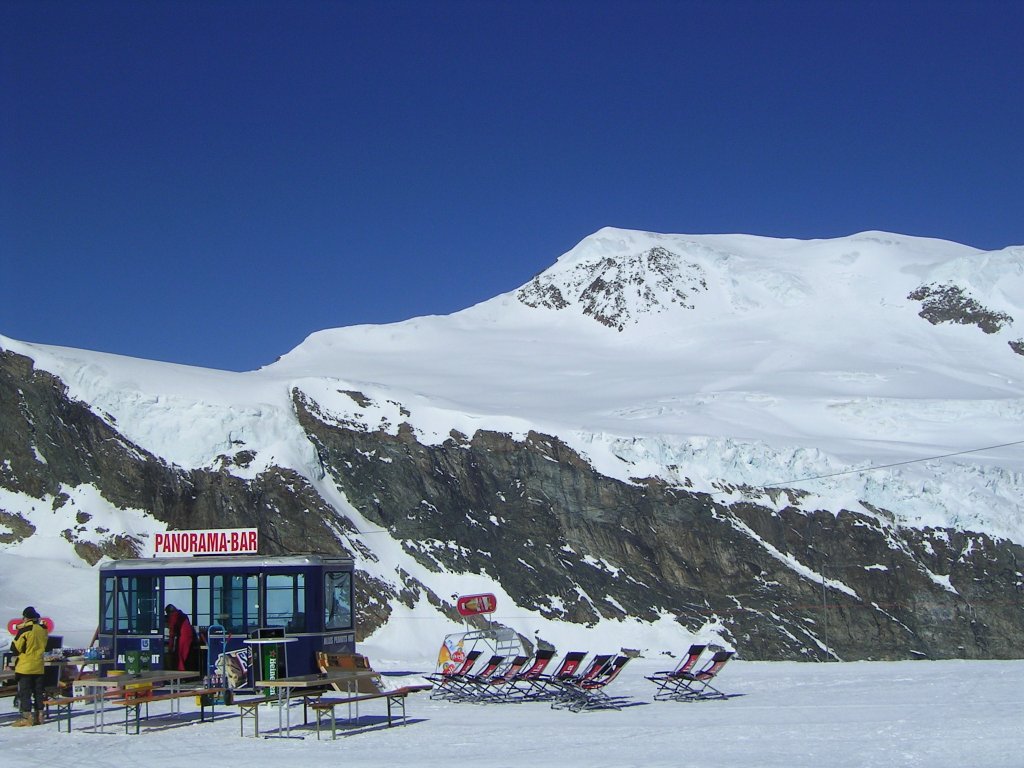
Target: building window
138,610
178,592
107,603
235,603
337,600
286,601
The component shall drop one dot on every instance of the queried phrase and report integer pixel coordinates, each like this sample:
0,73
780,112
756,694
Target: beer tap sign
473,605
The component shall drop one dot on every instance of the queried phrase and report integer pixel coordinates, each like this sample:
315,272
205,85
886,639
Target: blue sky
209,182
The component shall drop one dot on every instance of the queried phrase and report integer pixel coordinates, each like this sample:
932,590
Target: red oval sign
471,605
13,624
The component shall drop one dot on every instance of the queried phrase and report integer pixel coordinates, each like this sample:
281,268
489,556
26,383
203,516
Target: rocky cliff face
51,445
559,538
577,546
610,290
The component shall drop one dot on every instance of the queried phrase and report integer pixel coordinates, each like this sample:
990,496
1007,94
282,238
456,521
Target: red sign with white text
471,605
220,541
13,624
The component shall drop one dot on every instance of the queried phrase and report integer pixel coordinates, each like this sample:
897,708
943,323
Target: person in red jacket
181,636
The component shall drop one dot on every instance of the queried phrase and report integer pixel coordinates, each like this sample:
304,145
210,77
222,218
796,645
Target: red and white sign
215,541
13,624
471,605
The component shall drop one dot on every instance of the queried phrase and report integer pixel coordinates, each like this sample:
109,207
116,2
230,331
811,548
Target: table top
151,676
82,660
78,661
6,674
268,640
316,680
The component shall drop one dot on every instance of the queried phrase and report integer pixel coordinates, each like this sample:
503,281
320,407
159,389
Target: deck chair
491,689
696,686
545,687
443,679
520,683
591,693
461,688
570,686
667,680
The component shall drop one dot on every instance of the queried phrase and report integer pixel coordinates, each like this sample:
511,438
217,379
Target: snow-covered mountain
748,359
761,379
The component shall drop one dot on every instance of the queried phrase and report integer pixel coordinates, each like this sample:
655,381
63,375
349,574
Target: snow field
939,714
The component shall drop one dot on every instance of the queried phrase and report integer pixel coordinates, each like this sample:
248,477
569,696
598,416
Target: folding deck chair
568,687
461,688
543,687
590,694
668,680
696,686
512,691
488,689
444,679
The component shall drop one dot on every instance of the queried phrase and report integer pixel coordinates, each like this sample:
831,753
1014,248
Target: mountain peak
615,278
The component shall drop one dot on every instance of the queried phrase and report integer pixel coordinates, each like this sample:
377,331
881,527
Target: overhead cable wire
883,466
841,473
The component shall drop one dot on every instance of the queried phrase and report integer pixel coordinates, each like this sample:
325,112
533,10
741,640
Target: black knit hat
30,613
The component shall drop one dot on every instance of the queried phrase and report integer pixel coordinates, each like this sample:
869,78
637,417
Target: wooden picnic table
120,684
286,685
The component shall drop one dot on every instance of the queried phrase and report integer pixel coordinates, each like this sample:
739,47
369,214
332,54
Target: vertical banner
451,655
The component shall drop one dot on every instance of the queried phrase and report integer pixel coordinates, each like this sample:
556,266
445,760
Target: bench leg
249,711
319,710
63,712
137,707
400,701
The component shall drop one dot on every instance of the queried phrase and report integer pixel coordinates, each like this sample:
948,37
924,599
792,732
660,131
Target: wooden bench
251,707
63,704
145,698
328,704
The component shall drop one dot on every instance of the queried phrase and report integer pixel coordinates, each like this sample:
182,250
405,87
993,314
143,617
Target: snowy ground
912,713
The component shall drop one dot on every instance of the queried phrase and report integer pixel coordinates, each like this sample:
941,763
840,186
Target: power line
841,473
888,466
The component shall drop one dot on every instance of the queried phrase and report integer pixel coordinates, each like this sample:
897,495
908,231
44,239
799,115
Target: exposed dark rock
576,546
949,304
49,440
615,291
14,527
